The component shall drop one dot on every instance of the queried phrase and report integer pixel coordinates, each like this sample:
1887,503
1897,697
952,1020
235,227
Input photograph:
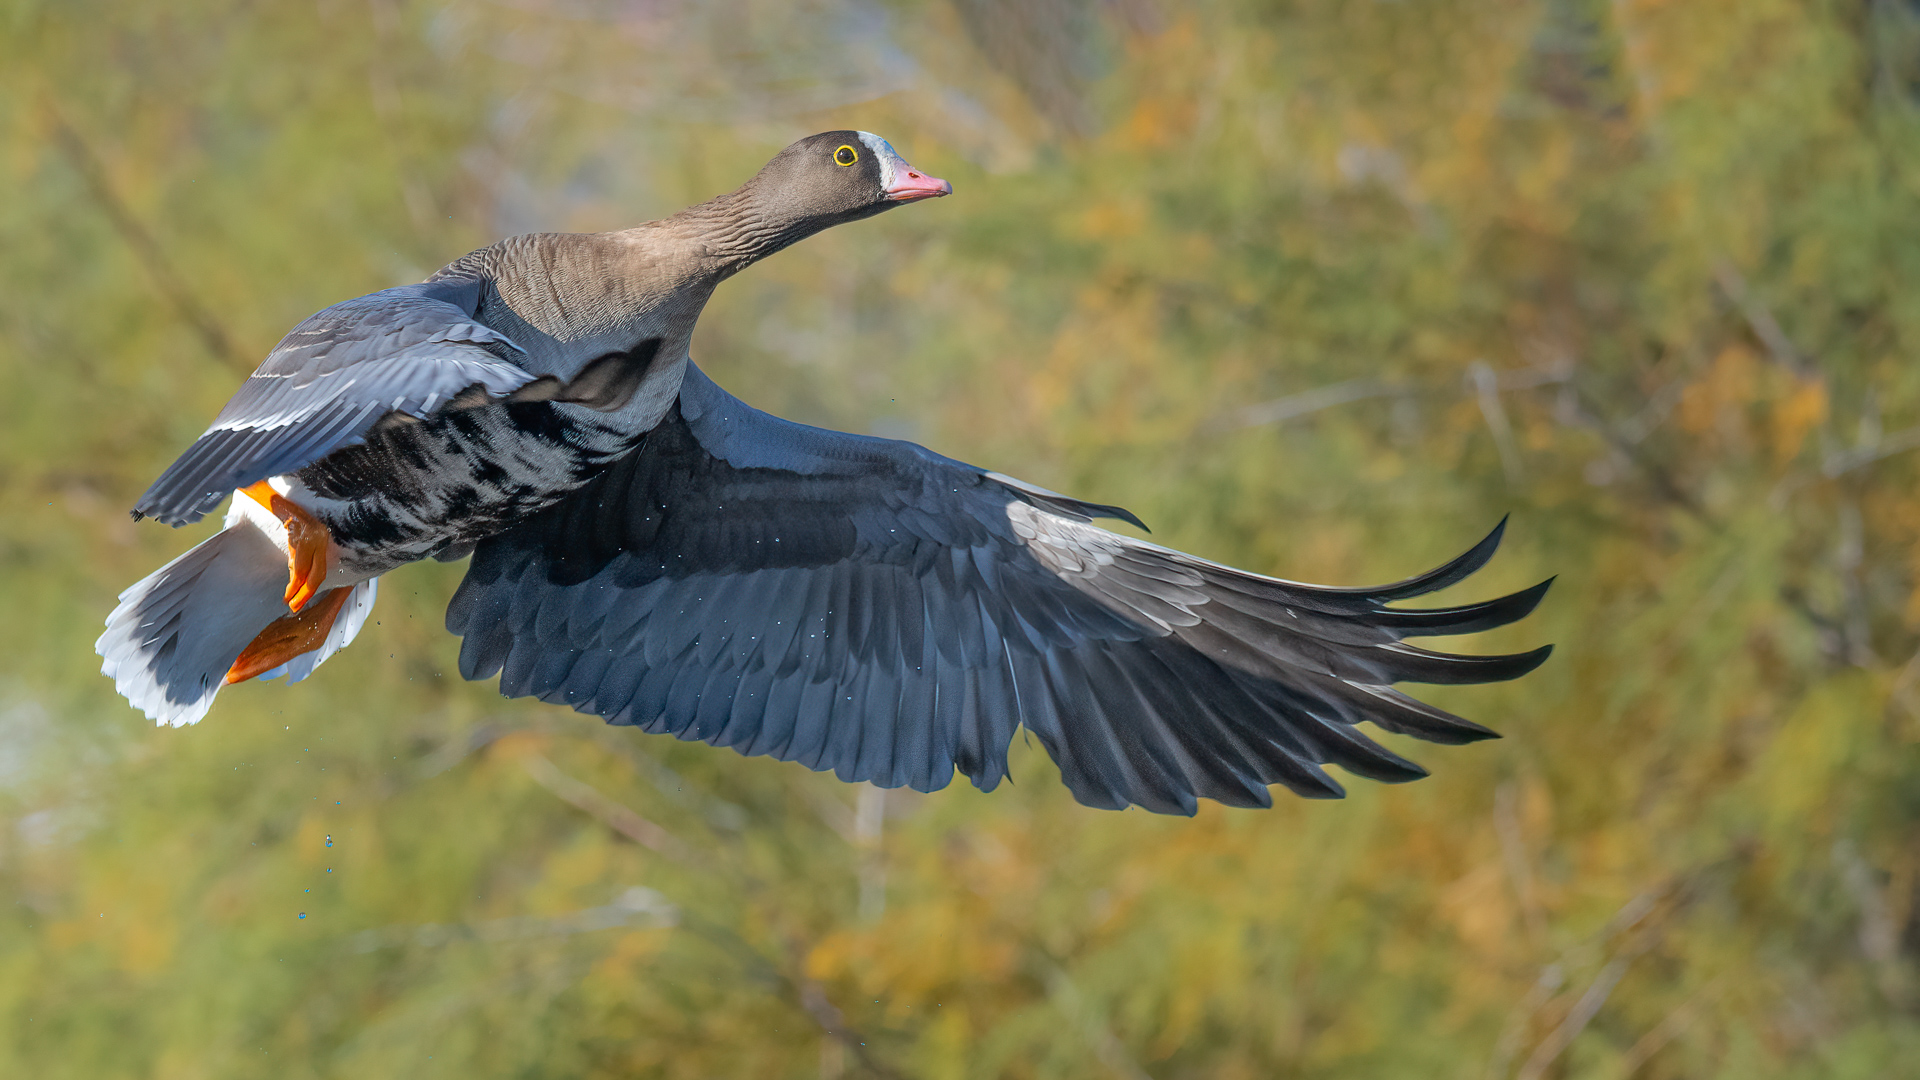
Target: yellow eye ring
846,155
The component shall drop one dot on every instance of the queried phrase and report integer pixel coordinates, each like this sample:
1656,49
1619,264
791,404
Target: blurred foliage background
1321,288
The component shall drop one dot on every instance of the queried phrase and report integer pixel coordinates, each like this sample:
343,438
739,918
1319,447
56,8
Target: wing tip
1452,572
1527,661
1417,772
1467,732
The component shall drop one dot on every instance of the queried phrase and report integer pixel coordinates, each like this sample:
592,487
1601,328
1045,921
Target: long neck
731,232
645,280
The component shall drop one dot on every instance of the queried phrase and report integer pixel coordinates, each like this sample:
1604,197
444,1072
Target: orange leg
288,636
307,543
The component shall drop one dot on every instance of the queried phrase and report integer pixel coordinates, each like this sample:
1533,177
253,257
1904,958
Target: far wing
410,349
870,607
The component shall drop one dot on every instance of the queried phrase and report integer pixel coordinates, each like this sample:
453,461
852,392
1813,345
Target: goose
649,549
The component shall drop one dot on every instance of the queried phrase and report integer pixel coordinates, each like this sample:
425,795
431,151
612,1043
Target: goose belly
438,486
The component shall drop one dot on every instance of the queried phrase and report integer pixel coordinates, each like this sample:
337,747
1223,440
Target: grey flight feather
870,607
409,350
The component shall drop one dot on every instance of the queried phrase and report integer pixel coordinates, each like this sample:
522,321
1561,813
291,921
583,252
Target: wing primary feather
1451,573
1146,771
1467,619
1391,710
1406,663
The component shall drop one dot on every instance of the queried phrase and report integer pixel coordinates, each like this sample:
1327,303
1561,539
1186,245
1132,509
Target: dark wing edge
870,607
410,350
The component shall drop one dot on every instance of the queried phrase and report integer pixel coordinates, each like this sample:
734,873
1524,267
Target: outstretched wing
870,607
410,349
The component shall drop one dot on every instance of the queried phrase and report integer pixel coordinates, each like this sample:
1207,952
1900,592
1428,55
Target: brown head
819,182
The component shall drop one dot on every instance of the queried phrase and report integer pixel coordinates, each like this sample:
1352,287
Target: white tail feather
169,644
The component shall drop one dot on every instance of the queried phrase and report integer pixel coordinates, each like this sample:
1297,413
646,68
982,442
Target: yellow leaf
1796,415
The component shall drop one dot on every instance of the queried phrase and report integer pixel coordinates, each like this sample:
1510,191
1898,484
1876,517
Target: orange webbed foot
308,544
289,636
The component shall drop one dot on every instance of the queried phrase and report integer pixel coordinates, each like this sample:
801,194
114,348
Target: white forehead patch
890,162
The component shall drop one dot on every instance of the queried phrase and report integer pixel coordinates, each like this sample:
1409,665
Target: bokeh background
1321,288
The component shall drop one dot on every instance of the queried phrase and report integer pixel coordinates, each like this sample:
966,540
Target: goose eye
846,155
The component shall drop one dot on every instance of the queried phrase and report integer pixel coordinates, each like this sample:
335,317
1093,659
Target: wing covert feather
411,349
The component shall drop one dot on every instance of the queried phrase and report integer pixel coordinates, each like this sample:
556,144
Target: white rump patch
244,508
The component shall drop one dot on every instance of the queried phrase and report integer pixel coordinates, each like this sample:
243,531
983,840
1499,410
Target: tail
170,642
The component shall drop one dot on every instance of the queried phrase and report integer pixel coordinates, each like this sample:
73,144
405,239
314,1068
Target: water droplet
329,839
303,914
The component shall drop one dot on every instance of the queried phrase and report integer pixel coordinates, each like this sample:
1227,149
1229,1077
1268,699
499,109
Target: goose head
839,176
819,182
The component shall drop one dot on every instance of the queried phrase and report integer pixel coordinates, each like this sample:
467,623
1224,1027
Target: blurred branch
1053,50
1486,384
1668,1029
609,812
469,742
1577,1020
384,93
1664,485
869,827
813,999
1551,979
1486,389
146,250
1905,682
833,813
1880,932
1513,851
1320,398
1841,462
1307,402
637,906
713,811
1760,318
1846,633
1106,1046
1634,917
807,993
